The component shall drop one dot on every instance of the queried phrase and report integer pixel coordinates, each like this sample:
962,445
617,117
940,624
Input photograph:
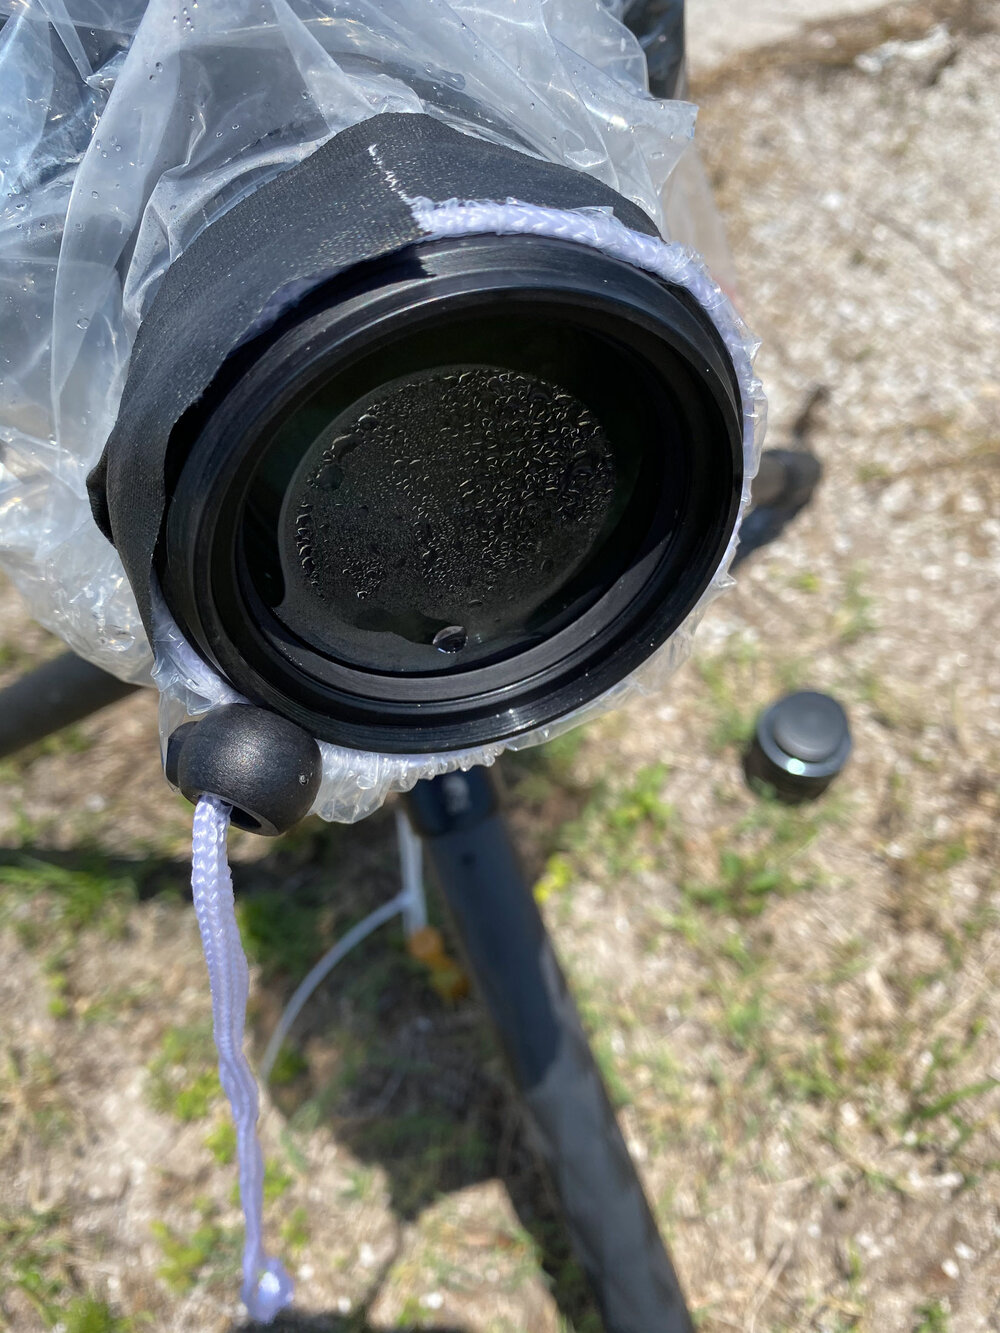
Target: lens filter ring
455,494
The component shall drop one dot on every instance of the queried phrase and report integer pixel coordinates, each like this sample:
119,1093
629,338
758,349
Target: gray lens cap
800,745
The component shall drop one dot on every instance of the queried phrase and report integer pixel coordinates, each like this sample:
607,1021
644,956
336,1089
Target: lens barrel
455,493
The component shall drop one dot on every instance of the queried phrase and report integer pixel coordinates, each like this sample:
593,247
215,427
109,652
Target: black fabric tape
342,205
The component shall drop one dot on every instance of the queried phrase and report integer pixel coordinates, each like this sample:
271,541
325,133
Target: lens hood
454,493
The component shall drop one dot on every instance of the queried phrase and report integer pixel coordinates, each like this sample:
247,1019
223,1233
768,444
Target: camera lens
462,507
455,494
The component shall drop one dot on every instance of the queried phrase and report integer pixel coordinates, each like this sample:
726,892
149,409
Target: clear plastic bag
126,128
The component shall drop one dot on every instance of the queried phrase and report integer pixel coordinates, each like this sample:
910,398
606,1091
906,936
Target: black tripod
511,959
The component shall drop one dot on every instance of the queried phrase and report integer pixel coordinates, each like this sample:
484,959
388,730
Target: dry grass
797,1011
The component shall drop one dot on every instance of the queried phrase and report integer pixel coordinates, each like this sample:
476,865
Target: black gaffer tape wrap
341,206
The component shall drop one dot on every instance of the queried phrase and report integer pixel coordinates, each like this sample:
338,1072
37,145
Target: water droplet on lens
452,639
330,477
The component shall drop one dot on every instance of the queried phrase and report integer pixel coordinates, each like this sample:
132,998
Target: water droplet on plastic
82,323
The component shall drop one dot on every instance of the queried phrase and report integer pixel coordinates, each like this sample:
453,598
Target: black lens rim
624,383
214,448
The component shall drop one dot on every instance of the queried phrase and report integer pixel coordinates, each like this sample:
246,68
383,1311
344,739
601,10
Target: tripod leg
51,697
781,490
659,26
511,957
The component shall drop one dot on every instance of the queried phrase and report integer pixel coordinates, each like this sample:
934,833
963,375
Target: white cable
266,1288
320,972
411,872
410,901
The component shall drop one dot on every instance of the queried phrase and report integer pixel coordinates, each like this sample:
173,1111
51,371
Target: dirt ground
797,1010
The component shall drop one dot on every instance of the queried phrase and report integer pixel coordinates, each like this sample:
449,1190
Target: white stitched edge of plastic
356,782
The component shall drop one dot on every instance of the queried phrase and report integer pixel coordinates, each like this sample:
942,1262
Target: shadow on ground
322,1323
408,1081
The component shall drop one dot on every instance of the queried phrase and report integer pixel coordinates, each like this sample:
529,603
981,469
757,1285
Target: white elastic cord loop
266,1288
601,230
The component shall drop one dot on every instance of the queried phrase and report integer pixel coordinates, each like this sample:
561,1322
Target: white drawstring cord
266,1287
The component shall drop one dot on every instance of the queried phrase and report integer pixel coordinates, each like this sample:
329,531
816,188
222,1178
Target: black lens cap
454,494
800,745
